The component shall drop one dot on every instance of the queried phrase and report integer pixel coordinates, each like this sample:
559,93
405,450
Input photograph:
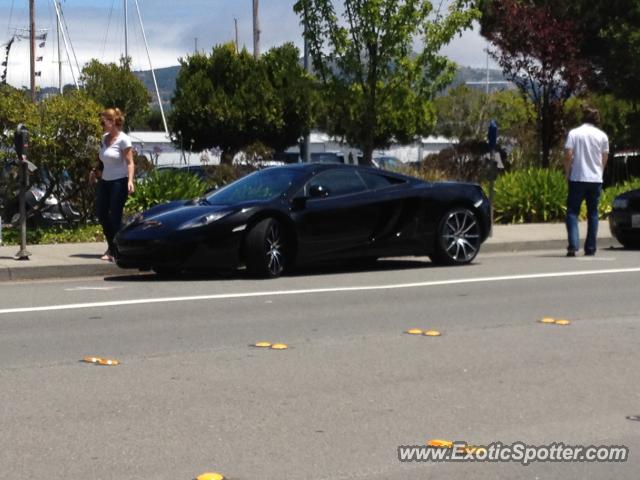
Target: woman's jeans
590,192
112,195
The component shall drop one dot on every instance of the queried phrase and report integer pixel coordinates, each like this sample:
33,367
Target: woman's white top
113,157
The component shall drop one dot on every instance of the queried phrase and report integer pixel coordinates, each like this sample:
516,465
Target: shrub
530,195
164,186
57,234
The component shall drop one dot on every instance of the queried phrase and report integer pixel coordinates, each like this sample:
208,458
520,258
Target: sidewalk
83,259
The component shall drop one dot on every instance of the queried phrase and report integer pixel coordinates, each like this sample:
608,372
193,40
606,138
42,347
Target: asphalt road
191,395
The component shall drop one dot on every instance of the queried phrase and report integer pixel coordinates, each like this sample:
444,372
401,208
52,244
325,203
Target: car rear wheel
265,249
458,238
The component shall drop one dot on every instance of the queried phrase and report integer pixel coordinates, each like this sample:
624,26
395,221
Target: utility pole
196,44
235,21
256,31
32,42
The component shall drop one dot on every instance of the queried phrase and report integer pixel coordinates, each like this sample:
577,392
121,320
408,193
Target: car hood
173,214
630,194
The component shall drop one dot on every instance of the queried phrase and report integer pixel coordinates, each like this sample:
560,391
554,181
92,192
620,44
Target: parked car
386,162
52,212
279,217
624,219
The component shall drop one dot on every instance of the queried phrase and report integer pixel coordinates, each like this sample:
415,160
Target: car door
396,214
338,219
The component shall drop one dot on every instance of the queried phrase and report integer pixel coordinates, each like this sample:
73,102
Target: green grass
52,235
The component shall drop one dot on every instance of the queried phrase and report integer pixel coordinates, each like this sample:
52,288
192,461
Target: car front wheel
628,242
265,249
458,238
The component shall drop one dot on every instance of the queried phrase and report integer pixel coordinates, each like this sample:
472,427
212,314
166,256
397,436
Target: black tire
266,249
629,243
166,271
458,238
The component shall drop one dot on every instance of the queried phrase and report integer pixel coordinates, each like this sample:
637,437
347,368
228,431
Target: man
586,153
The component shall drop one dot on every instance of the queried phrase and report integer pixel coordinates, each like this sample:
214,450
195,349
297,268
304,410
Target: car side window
375,182
338,181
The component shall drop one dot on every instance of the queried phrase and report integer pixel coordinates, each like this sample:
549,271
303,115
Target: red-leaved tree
539,52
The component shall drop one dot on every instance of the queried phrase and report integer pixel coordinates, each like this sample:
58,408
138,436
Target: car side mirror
318,191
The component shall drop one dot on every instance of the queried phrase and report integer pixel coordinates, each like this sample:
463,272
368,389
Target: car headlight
204,220
621,203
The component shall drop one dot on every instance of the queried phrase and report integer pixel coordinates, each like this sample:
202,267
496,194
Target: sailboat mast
126,30
32,49
59,48
153,73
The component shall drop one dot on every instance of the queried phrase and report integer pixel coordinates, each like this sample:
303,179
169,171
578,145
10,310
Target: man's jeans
112,195
590,192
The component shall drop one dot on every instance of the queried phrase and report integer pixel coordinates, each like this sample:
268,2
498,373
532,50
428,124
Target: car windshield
262,185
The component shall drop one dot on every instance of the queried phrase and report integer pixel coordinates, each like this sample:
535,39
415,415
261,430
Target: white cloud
171,27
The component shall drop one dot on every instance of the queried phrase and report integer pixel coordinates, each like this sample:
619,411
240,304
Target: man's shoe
571,253
589,254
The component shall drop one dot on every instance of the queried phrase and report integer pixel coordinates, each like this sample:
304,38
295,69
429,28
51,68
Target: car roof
319,167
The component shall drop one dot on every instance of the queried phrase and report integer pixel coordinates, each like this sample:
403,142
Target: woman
115,175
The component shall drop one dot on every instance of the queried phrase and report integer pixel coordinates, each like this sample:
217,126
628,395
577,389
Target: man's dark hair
591,115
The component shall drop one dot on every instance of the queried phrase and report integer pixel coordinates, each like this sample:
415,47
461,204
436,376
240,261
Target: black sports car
624,219
275,218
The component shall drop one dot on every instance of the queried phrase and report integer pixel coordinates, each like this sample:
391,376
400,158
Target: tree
114,85
464,113
231,100
295,94
64,138
15,107
537,50
609,42
376,88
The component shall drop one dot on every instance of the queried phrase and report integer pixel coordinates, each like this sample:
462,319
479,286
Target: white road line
142,301
80,289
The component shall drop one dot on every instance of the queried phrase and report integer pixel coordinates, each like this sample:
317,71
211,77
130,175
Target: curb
561,245
50,272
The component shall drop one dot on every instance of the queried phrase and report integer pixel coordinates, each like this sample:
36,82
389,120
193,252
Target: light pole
307,137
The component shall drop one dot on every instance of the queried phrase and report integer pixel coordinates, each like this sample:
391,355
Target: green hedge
540,195
163,186
51,235
530,195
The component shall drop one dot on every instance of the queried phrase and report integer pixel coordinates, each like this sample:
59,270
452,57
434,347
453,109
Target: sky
173,29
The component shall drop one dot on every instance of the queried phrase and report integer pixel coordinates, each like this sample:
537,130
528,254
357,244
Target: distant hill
166,78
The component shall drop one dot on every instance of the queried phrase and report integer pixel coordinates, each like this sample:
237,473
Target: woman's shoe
107,257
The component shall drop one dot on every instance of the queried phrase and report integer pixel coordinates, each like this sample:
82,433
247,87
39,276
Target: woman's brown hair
114,115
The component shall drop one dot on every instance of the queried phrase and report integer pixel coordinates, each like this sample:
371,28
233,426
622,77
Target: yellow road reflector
279,346
263,344
548,320
563,322
210,476
440,443
108,362
432,333
91,359
415,331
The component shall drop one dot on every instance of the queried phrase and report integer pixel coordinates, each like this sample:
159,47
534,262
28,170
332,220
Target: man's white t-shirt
113,157
588,144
